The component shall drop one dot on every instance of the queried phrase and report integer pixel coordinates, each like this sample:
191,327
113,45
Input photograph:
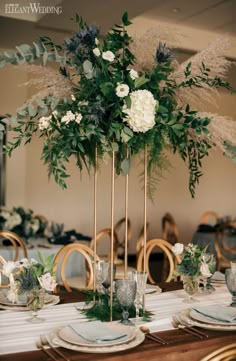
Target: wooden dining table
181,345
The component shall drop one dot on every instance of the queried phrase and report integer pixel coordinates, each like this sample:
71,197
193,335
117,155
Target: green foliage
100,310
93,117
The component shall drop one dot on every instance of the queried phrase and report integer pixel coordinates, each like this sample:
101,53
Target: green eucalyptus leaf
125,166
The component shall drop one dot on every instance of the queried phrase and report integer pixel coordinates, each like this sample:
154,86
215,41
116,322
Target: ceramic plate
137,340
7,305
67,334
152,289
188,321
202,318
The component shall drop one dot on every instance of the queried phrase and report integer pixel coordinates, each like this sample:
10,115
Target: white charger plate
4,301
67,334
202,318
137,340
51,300
184,316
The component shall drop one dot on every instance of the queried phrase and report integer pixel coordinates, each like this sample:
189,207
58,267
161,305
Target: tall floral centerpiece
120,95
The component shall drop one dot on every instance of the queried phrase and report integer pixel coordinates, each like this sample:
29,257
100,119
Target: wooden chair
2,262
106,233
119,230
224,253
62,257
209,217
166,248
170,230
140,241
16,241
225,353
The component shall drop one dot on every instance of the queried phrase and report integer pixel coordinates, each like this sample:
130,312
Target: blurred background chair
3,283
140,240
16,242
103,239
119,231
166,250
225,245
170,230
209,217
84,281
226,353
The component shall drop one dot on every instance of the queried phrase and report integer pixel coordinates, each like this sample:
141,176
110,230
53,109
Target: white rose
178,248
78,118
133,74
122,90
204,269
8,268
108,55
96,52
47,282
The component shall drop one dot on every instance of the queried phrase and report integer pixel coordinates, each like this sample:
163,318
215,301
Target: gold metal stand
145,217
112,231
95,223
126,217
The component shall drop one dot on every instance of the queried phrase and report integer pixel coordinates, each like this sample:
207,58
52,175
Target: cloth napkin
217,312
97,332
218,276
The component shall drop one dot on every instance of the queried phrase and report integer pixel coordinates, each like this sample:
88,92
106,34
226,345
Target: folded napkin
218,312
97,332
218,276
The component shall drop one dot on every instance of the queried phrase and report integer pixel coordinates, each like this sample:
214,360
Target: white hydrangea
44,122
122,90
141,115
68,117
96,52
55,113
8,268
108,55
133,74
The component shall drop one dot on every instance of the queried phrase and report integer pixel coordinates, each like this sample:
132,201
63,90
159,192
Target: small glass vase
35,302
191,287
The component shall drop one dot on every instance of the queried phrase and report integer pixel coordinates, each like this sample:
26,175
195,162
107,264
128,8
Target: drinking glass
141,280
230,278
191,287
103,275
35,302
125,294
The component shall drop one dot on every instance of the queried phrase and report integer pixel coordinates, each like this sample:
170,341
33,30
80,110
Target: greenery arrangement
100,309
103,98
26,275
193,262
22,222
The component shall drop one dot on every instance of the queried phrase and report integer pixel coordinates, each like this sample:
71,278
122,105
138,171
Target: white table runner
18,335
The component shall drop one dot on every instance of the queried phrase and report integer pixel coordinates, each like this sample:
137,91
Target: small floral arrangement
22,222
26,275
193,263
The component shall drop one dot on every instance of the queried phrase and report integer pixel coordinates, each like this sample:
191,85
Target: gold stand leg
126,218
145,218
112,231
95,224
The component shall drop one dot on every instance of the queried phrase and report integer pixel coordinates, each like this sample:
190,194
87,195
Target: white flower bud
178,248
108,55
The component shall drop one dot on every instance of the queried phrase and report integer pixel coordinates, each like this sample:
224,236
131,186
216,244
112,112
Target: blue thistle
164,54
82,41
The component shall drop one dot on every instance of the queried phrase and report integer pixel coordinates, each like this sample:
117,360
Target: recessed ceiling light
176,10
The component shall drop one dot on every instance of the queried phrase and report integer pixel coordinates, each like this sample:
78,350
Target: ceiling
213,16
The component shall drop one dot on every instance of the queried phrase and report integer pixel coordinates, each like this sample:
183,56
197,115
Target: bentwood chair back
209,217
61,259
166,248
2,262
140,241
224,253
17,243
104,235
119,230
225,353
170,230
